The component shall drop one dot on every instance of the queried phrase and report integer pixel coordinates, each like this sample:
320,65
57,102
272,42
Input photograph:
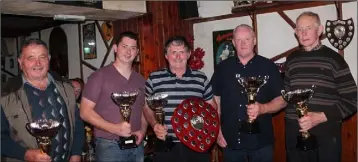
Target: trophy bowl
299,98
44,130
125,100
157,103
196,124
252,86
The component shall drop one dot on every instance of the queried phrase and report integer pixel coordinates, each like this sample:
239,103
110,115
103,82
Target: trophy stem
305,135
125,112
159,115
301,110
250,120
44,144
251,98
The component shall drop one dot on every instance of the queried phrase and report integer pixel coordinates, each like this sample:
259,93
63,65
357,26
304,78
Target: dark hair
128,34
32,41
79,80
176,41
82,84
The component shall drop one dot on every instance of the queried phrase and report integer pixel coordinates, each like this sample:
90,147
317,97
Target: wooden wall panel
349,142
279,154
161,22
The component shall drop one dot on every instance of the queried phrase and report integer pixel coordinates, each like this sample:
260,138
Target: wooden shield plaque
340,32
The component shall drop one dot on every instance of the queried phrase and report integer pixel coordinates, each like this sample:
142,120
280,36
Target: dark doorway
59,52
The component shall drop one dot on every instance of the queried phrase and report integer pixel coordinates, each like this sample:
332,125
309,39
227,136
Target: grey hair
33,41
177,41
310,14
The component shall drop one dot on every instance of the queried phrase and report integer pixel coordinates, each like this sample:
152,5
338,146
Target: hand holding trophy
252,86
44,130
157,103
125,100
300,97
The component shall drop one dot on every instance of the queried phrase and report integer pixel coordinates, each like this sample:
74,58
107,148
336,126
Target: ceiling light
69,17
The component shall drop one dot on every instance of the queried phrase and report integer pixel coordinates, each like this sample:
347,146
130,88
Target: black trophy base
164,146
127,142
306,144
250,128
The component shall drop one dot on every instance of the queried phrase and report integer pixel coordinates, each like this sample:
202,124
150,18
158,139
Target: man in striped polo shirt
334,98
179,82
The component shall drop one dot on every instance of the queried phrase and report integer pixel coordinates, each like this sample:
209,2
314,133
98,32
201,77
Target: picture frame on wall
89,41
222,46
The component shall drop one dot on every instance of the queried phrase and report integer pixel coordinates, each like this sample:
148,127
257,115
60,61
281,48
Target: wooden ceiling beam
275,8
287,19
16,32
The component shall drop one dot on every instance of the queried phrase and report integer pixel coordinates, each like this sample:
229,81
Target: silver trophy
157,103
44,130
125,100
252,86
299,98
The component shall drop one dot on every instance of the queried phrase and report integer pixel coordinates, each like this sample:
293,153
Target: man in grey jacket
36,94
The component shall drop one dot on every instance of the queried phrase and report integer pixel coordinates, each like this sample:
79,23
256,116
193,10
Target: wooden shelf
261,6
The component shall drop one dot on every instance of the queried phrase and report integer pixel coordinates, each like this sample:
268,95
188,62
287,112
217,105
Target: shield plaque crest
340,32
196,124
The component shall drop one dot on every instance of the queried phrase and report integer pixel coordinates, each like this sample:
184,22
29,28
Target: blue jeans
264,154
109,151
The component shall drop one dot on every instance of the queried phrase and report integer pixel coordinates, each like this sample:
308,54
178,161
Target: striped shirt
192,84
335,91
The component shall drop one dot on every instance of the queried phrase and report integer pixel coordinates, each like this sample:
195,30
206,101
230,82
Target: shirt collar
319,45
249,62
49,77
187,72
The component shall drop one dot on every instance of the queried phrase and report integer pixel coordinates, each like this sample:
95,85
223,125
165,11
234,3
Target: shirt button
240,105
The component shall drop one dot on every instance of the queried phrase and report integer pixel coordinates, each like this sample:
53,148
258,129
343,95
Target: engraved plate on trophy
196,124
157,103
252,86
125,100
339,32
299,98
44,130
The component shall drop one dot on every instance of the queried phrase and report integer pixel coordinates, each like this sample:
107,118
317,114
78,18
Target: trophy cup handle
28,128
